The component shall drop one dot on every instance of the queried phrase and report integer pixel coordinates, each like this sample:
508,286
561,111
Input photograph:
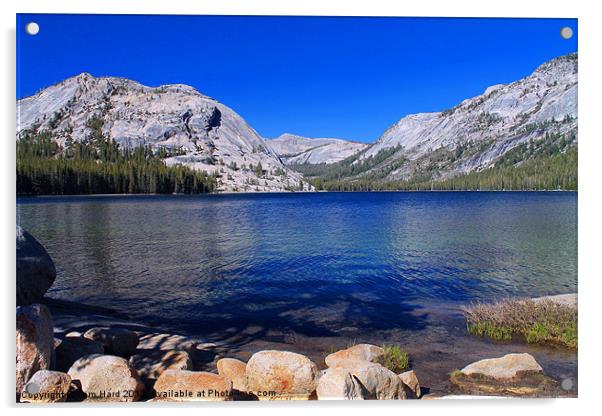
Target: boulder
506,367
151,364
410,379
234,370
378,382
72,348
339,384
281,375
46,387
361,352
511,375
35,269
182,385
116,341
35,342
107,378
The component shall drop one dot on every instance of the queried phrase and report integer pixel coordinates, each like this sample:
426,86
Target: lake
311,270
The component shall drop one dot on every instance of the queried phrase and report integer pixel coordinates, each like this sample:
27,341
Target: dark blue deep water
310,263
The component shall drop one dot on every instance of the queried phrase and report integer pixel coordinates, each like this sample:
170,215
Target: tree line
542,172
99,166
547,163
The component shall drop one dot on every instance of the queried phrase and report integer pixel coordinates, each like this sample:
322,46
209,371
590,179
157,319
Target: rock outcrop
35,342
46,387
116,341
180,385
107,378
288,375
35,269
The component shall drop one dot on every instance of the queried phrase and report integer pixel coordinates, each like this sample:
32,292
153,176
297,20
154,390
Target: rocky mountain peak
197,131
504,116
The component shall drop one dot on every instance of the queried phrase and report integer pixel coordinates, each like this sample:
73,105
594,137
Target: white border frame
590,152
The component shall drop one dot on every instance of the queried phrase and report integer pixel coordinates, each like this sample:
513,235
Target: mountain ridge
537,113
294,149
206,134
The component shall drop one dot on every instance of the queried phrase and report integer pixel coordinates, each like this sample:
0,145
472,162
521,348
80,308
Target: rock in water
107,378
35,269
70,349
339,384
281,375
362,352
180,385
46,387
35,342
410,379
116,341
151,364
506,367
234,370
511,375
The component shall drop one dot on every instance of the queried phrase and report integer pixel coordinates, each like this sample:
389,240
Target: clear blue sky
313,76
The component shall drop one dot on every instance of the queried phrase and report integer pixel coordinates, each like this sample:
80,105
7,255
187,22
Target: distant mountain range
521,135
524,127
297,150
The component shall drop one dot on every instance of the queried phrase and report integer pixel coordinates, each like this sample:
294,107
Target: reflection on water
309,263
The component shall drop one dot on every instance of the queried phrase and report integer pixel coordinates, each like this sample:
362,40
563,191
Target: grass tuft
456,373
394,358
541,322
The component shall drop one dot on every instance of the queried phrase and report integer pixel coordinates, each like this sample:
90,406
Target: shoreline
208,194
434,354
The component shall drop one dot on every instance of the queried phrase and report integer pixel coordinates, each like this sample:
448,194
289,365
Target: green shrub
394,358
537,322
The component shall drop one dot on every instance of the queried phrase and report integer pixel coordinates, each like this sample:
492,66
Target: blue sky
313,76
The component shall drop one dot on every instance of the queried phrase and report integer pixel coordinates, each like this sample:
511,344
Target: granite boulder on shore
281,375
107,378
35,342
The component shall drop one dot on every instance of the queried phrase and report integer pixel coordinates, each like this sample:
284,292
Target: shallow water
313,270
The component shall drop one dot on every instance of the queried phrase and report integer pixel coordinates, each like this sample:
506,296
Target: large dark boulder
35,269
